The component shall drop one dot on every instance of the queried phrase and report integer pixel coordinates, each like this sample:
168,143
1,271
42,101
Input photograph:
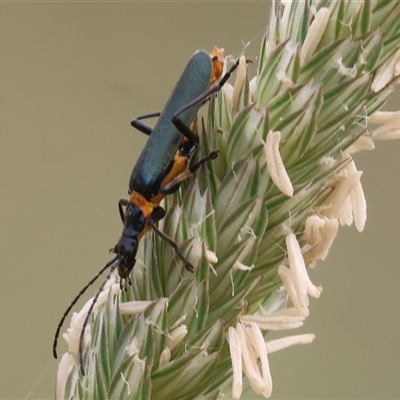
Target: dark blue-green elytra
155,160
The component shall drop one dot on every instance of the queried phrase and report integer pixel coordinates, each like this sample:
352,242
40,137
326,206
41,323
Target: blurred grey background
73,75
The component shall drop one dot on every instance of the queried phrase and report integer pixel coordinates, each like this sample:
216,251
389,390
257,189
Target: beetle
161,167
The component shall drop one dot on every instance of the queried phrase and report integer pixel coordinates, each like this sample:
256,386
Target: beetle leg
140,126
185,130
157,214
122,203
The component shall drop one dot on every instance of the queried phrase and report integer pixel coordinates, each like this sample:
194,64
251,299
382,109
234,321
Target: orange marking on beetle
157,198
179,165
217,56
146,206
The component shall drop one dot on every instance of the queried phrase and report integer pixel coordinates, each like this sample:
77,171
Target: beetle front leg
122,203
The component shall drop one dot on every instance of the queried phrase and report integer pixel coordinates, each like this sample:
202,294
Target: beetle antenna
89,313
74,301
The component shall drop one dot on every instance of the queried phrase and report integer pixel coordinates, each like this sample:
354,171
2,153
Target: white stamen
362,143
319,233
65,367
346,213
236,357
385,73
211,256
388,131
274,322
343,186
176,336
165,357
282,343
261,349
250,362
297,268
275,164
358,202
314,34
287,280
312,290
312,228
383,117
134,307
